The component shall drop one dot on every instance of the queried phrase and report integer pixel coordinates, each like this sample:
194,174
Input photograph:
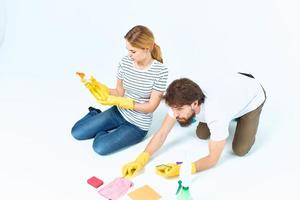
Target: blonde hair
141,37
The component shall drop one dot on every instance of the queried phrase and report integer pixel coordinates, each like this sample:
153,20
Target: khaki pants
245,132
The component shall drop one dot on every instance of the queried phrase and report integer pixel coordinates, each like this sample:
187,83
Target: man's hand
171,169
130,169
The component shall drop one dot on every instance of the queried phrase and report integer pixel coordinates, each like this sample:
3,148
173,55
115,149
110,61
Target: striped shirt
138,85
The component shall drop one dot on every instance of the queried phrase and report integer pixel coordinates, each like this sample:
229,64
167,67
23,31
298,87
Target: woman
141,81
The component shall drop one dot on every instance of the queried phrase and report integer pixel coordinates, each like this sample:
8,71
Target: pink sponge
95,182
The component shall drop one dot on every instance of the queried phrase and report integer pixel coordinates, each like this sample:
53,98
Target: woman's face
136,54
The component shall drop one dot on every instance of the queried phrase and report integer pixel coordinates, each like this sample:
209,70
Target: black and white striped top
138,85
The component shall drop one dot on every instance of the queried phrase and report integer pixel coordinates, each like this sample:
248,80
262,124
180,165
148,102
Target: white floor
41,98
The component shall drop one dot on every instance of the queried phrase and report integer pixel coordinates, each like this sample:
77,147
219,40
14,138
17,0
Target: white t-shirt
227,97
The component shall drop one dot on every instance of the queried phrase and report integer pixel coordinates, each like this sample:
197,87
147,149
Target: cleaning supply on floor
116,189
183,190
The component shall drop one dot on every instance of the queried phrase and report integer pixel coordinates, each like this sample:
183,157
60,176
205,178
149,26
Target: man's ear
194,104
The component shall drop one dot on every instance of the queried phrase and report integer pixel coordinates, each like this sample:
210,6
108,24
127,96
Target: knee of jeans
100,148
77,133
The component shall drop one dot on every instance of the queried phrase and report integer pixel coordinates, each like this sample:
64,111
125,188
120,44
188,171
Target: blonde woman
141,81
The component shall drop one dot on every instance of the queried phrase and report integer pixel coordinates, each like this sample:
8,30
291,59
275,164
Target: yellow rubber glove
171,169
122,102
103,89
130,169
98,90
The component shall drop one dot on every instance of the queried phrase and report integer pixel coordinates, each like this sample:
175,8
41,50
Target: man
216,103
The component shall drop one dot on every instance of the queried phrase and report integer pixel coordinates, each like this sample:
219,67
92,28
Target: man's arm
131,168
160,136
215,151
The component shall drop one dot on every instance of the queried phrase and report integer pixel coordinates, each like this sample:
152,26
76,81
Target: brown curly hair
182,92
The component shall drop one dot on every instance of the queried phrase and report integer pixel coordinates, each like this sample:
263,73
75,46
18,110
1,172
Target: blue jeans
110,130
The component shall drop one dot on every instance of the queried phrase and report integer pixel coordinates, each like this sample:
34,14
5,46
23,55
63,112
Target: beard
184,122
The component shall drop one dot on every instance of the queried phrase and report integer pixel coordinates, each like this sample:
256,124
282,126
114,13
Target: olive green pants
245,132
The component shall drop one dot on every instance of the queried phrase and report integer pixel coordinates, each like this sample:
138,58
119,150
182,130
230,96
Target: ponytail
141,37
156,53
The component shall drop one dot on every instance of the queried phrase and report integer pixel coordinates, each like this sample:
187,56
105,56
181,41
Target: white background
43,43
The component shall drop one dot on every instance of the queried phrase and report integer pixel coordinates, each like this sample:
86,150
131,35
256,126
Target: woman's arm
150,106
119,90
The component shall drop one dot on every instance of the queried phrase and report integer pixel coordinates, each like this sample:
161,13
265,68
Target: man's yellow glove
131,168
98,90
122,102
171,169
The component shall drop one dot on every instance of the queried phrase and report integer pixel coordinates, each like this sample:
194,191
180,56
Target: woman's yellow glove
98,90
122,102
131,168
171,169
